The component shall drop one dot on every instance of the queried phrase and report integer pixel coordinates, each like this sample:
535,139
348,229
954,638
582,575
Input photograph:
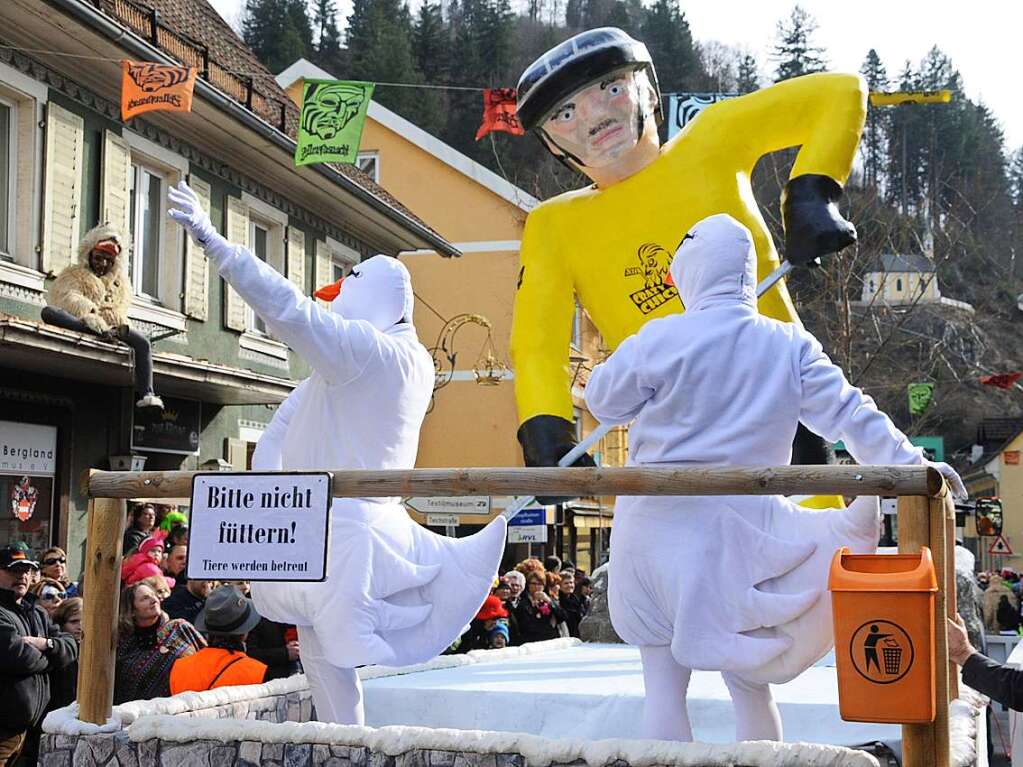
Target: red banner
1001,380
499,112
146,86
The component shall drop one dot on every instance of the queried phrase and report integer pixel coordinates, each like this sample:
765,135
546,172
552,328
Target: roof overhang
217,124
48,350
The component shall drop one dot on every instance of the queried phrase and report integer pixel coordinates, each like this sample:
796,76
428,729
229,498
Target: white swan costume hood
735,584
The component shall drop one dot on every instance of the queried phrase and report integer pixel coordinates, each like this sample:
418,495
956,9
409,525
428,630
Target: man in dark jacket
187,600
30,647
1003,684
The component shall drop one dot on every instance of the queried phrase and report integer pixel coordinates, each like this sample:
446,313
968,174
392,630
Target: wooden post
951,595
942,567
918,740
102,591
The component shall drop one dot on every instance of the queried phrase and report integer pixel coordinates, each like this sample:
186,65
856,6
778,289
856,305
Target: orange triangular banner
146,87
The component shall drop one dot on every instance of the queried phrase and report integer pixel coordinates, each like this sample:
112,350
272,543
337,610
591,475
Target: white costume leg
337,692
756,713
665,716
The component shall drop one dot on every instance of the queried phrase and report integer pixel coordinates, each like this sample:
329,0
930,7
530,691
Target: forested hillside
935,180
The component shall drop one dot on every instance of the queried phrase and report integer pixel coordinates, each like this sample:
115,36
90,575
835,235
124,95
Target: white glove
955,483
189,213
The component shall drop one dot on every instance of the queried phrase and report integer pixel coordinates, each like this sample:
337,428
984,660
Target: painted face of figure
599,123
102,258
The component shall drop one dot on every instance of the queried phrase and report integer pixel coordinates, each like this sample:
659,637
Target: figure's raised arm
334,347
823,115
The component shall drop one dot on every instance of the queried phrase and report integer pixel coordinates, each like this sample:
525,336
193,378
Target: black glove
813,225
544,439
809,449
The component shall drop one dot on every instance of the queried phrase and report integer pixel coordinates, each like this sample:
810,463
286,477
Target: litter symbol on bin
881,651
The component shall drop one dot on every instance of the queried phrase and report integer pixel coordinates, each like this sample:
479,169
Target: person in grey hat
226,619
30,648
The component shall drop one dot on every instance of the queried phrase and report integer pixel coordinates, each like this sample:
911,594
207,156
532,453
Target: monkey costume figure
93,296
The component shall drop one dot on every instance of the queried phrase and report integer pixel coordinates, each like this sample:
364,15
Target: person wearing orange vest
227,618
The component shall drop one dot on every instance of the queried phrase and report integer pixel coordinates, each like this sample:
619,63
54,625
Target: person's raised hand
187,210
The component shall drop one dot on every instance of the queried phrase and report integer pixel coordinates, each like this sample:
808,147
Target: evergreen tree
380,50
278,31
666,34
873,142
328,38
431,43
795,51
747,78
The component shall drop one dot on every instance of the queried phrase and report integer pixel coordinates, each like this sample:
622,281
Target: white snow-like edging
964,723
65,721
470,658
539,752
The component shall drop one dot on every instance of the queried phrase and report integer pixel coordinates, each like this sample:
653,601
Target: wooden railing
241,86
926,517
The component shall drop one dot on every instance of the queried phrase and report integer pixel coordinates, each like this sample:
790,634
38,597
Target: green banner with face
920,395
333,113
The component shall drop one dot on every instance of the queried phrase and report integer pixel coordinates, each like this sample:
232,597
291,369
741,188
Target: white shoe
150,400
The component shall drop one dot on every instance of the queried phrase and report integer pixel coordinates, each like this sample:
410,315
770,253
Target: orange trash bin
883,607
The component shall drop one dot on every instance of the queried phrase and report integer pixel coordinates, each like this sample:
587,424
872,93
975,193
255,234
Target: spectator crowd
175,634
535,601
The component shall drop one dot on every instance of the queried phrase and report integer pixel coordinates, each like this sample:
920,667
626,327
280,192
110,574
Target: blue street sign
528,517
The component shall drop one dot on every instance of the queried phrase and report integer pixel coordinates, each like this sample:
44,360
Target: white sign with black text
259,527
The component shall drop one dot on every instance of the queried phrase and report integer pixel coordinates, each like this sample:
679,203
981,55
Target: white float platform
595,691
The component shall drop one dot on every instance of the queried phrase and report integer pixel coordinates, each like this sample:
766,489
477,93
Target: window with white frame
8,175
259,239
369,163
148,189
577,327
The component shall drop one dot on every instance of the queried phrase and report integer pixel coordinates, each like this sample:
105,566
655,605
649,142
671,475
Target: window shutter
324,273
296,258
238,234
115,184
65,135
236,453
197,265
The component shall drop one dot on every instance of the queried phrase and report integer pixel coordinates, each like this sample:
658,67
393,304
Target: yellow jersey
612,246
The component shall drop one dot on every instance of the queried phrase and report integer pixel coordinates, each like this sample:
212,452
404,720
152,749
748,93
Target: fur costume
100,302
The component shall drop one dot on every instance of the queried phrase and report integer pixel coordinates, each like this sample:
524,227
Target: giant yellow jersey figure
594,102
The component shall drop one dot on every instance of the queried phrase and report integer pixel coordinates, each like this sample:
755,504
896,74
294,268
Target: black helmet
571,66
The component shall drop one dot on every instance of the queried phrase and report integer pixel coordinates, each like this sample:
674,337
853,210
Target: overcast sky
982,37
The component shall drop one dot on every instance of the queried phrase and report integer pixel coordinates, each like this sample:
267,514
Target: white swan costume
736,584
395,593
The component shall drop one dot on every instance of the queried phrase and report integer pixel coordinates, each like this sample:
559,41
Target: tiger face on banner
146,87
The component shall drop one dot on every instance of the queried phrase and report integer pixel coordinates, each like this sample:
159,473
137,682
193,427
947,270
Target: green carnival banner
333,113
920,395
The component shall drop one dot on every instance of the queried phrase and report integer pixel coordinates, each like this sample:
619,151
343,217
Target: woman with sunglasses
49,594
53,564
